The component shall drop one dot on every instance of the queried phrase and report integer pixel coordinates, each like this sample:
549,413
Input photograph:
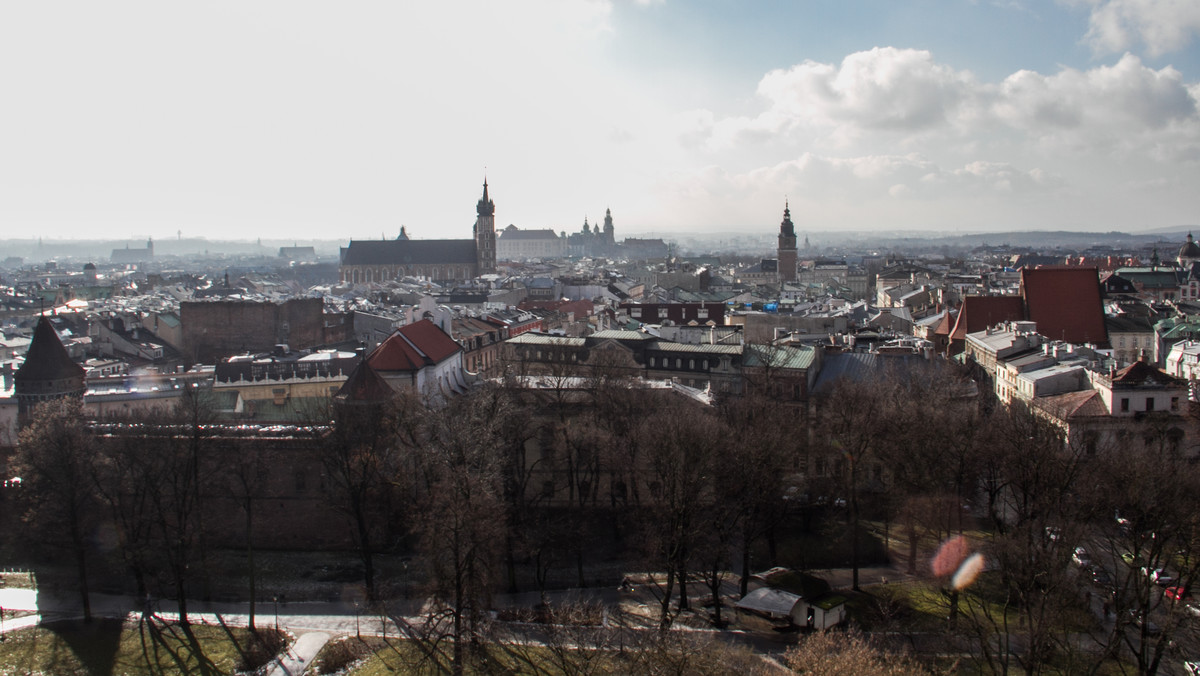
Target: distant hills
748,241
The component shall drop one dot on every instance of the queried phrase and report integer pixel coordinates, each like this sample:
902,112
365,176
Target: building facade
376,261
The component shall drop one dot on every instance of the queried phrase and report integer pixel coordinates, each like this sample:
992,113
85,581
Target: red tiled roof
979,312
413,347
946,326
1065,303
1073,405
1140,372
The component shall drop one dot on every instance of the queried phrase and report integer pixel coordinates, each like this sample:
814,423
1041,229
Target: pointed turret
364,386
485,207
48,372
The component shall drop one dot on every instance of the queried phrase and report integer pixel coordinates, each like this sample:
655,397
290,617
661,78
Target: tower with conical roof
48,372
485,233
609,233
787,247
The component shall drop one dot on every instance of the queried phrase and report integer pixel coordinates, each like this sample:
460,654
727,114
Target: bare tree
680,446
462,520
1035,516
849,654
852,420
360,457
55,461
759,465
1143,499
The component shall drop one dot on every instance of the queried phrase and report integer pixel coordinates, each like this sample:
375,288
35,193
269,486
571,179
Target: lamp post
275,599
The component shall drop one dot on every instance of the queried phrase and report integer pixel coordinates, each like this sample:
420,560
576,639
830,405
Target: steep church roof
364,386
47,359
1065,302
409,252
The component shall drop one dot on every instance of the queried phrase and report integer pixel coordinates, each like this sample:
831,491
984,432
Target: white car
1159,576
1080,557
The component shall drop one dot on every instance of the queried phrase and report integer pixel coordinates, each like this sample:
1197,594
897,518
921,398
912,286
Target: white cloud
884,89
865,178
900,100
1161,26
1126,106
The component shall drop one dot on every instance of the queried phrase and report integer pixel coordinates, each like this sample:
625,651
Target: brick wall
218,329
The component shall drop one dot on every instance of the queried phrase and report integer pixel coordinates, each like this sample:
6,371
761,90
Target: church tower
485,234
787,247
609,235
48,372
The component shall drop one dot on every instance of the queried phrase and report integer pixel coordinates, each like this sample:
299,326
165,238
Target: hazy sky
337,119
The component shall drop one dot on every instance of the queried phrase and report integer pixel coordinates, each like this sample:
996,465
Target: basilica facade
441,260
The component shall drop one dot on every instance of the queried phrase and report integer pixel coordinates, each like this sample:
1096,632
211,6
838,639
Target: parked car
1176,593
1159,576
1080,557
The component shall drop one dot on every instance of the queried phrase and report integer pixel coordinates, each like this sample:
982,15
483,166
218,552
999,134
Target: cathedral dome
1190,249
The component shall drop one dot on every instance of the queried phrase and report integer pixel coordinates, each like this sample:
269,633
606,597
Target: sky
304,119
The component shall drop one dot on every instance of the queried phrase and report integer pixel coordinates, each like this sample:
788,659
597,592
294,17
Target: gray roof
618,334
531,338
516,234
409,251
667,346
859,366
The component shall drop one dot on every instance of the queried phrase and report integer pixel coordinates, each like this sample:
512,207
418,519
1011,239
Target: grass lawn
674,652
109,647
923,606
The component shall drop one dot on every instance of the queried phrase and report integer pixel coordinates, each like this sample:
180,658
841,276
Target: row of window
665,363
1149,404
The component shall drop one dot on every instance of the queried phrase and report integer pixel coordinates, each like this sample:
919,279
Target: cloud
1161,26
883,89
901,99
1125,106
867,177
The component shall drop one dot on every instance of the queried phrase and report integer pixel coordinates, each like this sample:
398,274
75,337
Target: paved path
299,656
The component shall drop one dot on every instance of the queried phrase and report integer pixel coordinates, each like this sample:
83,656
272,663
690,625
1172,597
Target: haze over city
308,120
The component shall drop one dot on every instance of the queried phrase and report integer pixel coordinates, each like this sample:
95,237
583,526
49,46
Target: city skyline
280,120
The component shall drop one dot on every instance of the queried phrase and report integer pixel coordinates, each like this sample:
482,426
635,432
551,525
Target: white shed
822,612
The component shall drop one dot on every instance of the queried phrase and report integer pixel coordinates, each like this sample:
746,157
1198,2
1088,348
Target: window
1149,403
678,363
548,489
662,313
702,313
1174,403
652,362
692,364
300,482
1125,405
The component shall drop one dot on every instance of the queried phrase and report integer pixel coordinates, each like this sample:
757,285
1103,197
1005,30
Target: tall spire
786,229
485,206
